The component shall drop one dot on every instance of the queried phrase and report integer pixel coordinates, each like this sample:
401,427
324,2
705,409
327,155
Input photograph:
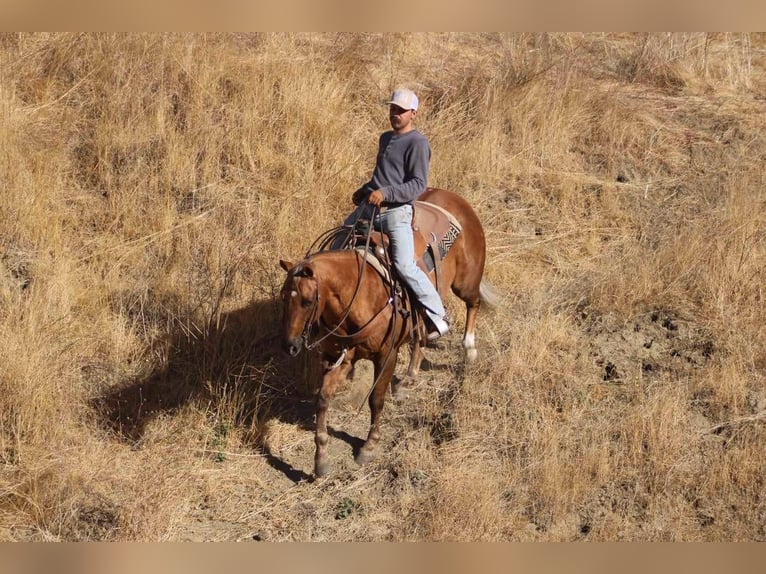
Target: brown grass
151,182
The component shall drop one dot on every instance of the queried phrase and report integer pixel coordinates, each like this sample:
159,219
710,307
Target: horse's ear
286,265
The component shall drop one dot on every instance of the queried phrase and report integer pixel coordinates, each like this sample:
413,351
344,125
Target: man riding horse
331,304
399,178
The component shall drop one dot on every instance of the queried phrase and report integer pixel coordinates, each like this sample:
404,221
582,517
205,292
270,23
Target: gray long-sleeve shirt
401,168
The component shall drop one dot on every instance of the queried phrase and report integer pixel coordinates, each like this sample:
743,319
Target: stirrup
440,328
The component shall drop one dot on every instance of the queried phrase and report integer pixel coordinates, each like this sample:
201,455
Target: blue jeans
396,222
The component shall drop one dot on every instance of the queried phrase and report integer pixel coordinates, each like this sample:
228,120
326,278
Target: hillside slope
152,182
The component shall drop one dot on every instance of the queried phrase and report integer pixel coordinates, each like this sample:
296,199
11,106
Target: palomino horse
352,314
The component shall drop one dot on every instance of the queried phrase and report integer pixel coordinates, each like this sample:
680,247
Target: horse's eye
306,303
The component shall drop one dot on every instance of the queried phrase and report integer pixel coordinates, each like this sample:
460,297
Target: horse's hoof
399,389
321,469
365,456
399,392
471,355
403,387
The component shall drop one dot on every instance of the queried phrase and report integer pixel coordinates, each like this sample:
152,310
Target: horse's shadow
237,355
355,443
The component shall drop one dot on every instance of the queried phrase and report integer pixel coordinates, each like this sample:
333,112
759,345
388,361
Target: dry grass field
149,184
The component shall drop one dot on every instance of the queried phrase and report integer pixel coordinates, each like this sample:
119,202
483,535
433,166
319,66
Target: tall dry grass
151,182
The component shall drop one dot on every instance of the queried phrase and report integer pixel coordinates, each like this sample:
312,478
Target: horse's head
300,304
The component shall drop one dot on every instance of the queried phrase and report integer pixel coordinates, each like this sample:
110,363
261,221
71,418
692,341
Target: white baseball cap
405,99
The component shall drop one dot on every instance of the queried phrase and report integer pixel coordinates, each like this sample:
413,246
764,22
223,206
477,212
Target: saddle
434,230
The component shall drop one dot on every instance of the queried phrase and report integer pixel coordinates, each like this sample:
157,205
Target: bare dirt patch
652,344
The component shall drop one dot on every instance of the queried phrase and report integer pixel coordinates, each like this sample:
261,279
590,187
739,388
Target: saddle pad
434,218
438,228
374,262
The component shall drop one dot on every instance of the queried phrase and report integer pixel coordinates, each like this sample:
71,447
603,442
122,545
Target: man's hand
375,198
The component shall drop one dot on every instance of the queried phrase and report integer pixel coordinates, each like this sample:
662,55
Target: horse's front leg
333,376
384,370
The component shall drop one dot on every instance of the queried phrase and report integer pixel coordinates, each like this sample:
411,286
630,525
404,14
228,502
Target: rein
352,336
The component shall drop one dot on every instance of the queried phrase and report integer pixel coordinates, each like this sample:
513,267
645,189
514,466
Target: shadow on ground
238,359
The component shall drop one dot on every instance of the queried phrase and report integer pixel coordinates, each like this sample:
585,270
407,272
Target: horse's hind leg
383,374
469,338
416,357
332,377
399,387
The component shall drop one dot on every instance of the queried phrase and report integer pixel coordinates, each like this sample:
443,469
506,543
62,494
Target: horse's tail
489,295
